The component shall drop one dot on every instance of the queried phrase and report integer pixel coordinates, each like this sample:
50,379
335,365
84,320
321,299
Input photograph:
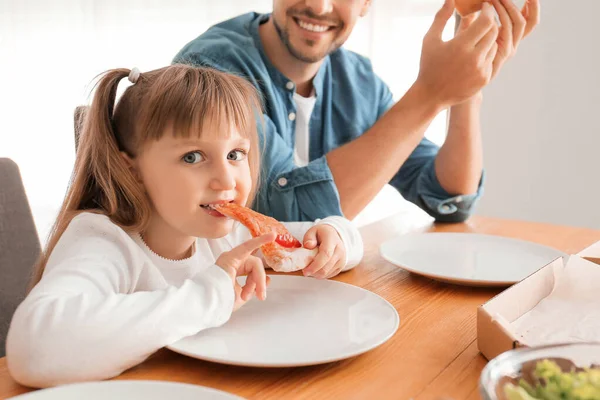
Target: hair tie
134,75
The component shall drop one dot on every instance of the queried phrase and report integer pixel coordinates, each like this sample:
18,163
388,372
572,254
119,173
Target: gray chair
19,244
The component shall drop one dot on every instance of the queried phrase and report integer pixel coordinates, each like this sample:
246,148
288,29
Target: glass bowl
507,366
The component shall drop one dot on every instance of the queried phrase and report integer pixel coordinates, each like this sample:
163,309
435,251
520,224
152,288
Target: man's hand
515,26
452,72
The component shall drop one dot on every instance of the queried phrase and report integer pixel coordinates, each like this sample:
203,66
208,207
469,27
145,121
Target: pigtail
101,180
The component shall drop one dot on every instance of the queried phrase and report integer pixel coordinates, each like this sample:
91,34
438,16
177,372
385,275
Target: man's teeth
311,27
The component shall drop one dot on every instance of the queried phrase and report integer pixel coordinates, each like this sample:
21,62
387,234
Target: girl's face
183,176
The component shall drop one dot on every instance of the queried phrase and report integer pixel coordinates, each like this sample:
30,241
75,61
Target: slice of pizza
286,253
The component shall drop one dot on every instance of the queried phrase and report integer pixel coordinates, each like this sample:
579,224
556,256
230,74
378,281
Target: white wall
51,50
541,123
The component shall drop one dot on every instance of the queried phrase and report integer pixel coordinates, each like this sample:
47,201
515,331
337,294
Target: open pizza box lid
560,283
591,253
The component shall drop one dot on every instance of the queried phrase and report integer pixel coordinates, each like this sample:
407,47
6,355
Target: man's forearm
362,167
459,162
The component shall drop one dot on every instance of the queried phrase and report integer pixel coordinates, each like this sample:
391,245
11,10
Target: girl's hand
239,261
331,258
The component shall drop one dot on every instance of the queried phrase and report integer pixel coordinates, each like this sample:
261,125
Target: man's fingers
487,42
531,11
466,21
518,21
491,55
505,36
441,19
480,27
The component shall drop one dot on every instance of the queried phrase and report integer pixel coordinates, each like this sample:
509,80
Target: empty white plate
128,390
303,321
468,259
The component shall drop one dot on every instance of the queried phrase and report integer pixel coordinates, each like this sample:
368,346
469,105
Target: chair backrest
19,244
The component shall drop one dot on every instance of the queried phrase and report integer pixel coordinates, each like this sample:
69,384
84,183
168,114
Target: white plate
303,321
128,390
468,259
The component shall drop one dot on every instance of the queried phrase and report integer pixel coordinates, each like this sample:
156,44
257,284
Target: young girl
138,258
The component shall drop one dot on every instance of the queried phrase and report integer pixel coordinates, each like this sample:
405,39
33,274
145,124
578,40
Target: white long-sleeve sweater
106,301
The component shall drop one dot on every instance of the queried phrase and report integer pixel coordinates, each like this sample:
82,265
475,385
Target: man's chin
307,53
309,58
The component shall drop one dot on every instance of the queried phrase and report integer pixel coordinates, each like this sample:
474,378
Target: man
333,136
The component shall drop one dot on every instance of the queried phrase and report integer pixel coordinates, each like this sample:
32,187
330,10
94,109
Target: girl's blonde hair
179,98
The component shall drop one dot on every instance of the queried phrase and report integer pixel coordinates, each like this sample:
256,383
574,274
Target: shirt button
289,85
292,116
282,181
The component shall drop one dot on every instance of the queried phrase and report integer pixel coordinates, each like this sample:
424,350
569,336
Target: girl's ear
132,165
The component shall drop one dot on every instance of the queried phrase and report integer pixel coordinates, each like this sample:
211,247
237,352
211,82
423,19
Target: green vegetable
513,392
552,383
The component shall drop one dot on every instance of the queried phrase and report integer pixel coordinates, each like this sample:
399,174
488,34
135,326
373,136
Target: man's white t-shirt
304,109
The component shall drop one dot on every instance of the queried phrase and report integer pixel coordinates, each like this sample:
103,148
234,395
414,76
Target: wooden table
433,354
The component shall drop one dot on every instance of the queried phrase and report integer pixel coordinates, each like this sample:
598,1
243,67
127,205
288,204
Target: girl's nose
223,178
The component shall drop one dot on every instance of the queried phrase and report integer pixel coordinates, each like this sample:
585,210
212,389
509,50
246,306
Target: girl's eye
236,155
193,157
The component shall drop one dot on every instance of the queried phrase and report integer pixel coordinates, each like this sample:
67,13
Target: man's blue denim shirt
350,99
